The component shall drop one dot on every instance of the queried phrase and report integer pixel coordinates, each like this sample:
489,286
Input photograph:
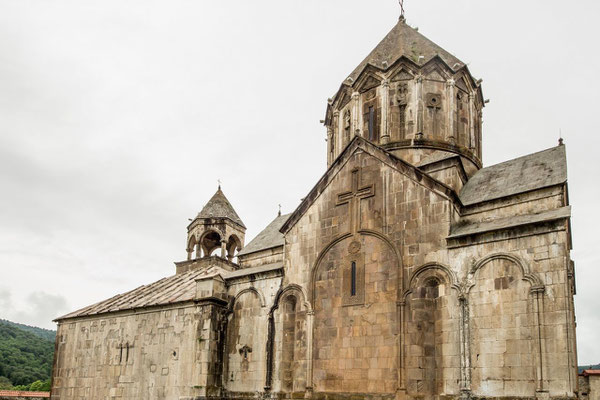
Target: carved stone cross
245,350
353,198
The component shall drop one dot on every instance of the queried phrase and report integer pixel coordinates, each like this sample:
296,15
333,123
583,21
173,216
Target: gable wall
355,347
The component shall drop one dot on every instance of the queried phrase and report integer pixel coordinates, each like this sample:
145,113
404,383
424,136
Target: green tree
24,357
5,383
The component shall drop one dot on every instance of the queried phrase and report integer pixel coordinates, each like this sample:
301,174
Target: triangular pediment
369,82
435,74
402,75
360,145
343,99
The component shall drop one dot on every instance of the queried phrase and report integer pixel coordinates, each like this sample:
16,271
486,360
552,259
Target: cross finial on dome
560,138
219,182
401,2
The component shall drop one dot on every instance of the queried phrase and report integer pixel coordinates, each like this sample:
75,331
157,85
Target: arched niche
290,340
503,327
244,354
432,328
353,329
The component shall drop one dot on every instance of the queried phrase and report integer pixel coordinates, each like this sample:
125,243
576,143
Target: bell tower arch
217,230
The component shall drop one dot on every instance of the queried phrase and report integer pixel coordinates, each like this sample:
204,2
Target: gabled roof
219,207
269,237
384,156
534,171
405,41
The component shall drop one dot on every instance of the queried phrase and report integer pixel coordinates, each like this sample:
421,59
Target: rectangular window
371,123
353,279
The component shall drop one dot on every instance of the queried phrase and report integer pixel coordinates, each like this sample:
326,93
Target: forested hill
41,332
26,353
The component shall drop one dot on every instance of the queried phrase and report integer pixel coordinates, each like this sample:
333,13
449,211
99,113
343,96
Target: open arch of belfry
409,271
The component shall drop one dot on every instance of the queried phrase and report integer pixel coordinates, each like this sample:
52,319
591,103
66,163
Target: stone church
409,271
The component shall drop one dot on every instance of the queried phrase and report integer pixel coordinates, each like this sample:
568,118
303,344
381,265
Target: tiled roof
533,171
21,394
269,237
173,289
588,372
219,207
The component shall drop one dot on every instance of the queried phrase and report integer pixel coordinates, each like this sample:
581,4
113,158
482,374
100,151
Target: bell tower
217,230
412,98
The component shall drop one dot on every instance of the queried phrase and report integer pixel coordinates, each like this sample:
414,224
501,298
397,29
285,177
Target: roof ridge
525,156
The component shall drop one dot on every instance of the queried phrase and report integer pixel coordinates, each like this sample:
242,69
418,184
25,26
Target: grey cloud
38,309
44,307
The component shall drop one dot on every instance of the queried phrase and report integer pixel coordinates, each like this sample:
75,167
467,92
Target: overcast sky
118,117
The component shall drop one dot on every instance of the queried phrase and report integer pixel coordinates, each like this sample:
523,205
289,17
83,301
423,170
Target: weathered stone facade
408,271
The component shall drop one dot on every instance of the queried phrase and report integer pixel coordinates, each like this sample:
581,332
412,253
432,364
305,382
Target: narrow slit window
353,279
402,120
120,353
127,353
371,123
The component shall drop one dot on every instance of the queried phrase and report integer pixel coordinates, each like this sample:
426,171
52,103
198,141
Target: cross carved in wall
353,198
245,350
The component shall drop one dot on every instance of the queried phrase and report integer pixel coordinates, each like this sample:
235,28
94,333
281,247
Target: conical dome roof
405,41
219,207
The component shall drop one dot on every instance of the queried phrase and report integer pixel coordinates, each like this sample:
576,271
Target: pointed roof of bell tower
219,207
405,41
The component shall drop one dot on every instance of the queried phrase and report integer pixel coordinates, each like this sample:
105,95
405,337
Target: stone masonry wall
403,225
163,353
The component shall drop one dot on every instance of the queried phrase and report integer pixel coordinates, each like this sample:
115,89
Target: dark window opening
432,288
127,353
353,279
402,120
120,352
332,144
371,123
